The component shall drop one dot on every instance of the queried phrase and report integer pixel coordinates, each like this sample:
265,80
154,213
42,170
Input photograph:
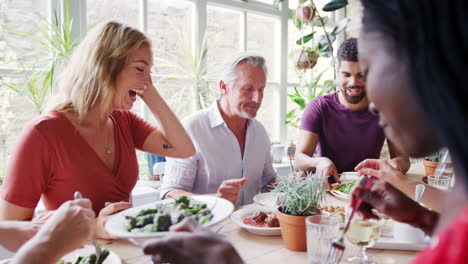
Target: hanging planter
306,59
306,14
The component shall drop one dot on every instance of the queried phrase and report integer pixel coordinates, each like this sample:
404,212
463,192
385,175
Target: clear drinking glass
321,232
363,233
443,174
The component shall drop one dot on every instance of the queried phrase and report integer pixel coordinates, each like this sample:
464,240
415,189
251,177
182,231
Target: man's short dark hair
348,51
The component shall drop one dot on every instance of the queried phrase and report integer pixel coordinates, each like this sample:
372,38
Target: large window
177,30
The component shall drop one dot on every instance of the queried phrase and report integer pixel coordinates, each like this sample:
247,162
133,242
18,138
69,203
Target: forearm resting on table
426,221
432,198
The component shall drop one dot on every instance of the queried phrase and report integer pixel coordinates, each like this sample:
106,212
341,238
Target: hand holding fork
97,246
337,247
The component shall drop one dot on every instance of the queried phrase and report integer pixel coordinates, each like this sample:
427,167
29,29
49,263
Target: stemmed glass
363,233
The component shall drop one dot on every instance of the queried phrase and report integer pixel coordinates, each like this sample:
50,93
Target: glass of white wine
363,233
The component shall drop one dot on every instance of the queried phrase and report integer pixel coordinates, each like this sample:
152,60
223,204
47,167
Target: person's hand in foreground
230,189
382,170
104,214
192,245
68,228
388,200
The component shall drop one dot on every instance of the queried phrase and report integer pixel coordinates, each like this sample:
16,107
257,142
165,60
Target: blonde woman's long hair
89,80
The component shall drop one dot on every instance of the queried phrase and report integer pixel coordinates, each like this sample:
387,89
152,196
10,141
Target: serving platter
116,224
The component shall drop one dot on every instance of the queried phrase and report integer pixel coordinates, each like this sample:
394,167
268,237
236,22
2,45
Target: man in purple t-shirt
340,125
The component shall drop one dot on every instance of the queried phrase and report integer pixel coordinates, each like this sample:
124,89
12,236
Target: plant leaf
334,5
318,23
277,2
340,26
305,39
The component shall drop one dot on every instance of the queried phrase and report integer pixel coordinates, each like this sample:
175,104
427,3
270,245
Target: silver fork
97,246
337,247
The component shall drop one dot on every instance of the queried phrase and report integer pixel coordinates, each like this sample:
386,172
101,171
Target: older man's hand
230,189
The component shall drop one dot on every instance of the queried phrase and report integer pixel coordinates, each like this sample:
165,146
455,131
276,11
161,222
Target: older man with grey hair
232,158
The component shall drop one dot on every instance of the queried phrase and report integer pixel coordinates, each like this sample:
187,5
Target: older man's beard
353,99
246,114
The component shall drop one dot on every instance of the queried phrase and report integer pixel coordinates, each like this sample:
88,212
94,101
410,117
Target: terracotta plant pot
293,231
430,167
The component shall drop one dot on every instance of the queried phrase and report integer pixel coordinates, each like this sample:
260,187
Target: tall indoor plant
299,197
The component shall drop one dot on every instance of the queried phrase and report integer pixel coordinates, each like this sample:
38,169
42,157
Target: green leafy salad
346,187
91,259
161,217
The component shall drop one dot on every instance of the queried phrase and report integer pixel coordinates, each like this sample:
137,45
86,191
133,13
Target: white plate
238,216
394,244
349,176
266,199
340,195
116,225
87,250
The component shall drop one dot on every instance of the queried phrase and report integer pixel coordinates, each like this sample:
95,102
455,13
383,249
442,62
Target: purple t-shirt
346,136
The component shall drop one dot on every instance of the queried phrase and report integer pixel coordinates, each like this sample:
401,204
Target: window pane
261,38
105,10
169,27
266,1
293,35
223,34
292,130
267,112
26,16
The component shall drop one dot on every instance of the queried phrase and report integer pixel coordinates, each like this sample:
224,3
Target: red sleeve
140,129
28,171
452,244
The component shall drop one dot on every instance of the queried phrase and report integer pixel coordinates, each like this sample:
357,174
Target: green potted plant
299,197
430,162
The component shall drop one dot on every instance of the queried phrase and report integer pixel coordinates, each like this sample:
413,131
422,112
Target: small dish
87,250
238,218
266,199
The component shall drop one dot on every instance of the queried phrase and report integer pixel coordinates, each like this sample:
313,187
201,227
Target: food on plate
345,187
262,219
335,211
91,259
161,217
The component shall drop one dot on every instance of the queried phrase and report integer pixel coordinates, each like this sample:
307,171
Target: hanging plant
306,14
306,58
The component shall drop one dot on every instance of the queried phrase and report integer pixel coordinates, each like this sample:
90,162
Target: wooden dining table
257,249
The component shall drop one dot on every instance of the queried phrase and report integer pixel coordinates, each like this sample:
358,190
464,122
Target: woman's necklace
109,138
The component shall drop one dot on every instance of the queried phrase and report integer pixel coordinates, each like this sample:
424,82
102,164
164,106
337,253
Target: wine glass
363,233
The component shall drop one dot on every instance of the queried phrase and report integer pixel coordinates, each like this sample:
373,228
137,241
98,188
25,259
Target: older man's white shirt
218,158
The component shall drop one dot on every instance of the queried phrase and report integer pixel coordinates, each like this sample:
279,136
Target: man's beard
353,99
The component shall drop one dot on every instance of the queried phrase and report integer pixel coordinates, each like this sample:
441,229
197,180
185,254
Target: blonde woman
87,142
